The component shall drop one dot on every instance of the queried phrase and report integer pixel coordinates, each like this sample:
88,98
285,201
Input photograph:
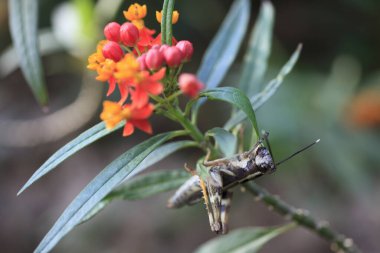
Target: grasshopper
222,175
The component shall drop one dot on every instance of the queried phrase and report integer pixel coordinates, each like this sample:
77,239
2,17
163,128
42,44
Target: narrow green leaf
258,100
244,240
157,155
111,176
256,58
23,18
150,184
86,138
224,47
237,98
142,186
225,140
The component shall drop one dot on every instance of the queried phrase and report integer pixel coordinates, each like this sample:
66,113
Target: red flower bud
186,48
129,34
162,48
142,62
173,56
154,59
112,50
112,31
189,84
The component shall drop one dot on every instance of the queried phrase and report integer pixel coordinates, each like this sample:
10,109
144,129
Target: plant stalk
339,242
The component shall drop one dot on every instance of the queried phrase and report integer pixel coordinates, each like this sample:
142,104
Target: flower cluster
137,63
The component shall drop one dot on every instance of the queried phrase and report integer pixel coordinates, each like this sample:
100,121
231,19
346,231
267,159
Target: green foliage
23,16
142,186
226,141
235,97
115,173
243,240
223,49
259,99
256,57
86,138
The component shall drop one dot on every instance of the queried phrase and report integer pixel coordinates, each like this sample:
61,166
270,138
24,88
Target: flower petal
143,125
128,129
143,112
139,97
112,86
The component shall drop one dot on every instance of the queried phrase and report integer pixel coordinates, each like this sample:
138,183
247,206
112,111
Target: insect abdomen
189,193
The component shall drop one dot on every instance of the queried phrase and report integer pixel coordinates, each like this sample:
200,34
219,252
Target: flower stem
166,22
338,241
194,132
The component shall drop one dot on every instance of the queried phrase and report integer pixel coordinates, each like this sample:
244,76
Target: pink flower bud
186,48
189,84
112,50
142,62
162,48
129,34
154,59
112,31
156,47
173,56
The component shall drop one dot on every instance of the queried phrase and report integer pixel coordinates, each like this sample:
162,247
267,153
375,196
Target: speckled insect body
222,175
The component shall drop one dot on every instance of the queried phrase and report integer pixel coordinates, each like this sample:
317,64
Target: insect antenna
265,137
297,152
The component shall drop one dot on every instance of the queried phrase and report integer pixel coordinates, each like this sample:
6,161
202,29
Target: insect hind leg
224,210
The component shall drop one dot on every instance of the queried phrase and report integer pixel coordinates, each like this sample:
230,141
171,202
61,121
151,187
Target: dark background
334,81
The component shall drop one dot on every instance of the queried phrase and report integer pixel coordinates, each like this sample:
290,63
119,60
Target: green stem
338,241
163,22
194,132
166,22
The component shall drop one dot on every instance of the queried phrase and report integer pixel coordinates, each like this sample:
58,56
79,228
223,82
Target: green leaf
237,98
256,58
91,135
110,177
225,140
23,17
142,186
224,47
150,184
244,240
258,100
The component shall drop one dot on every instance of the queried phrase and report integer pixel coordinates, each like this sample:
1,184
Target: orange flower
105,70
97,58
175,17
135,12
364,110
127,68
146,38
147,84
113,113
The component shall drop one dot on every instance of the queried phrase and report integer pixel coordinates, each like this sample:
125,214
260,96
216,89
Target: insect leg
216,162
215,189
224,210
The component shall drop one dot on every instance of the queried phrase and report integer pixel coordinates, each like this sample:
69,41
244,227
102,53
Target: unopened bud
142,62
186,48
129,34
112,50
173,56
154,59
112,31
189,84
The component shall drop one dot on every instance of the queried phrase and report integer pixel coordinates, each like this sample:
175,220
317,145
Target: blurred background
333,94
